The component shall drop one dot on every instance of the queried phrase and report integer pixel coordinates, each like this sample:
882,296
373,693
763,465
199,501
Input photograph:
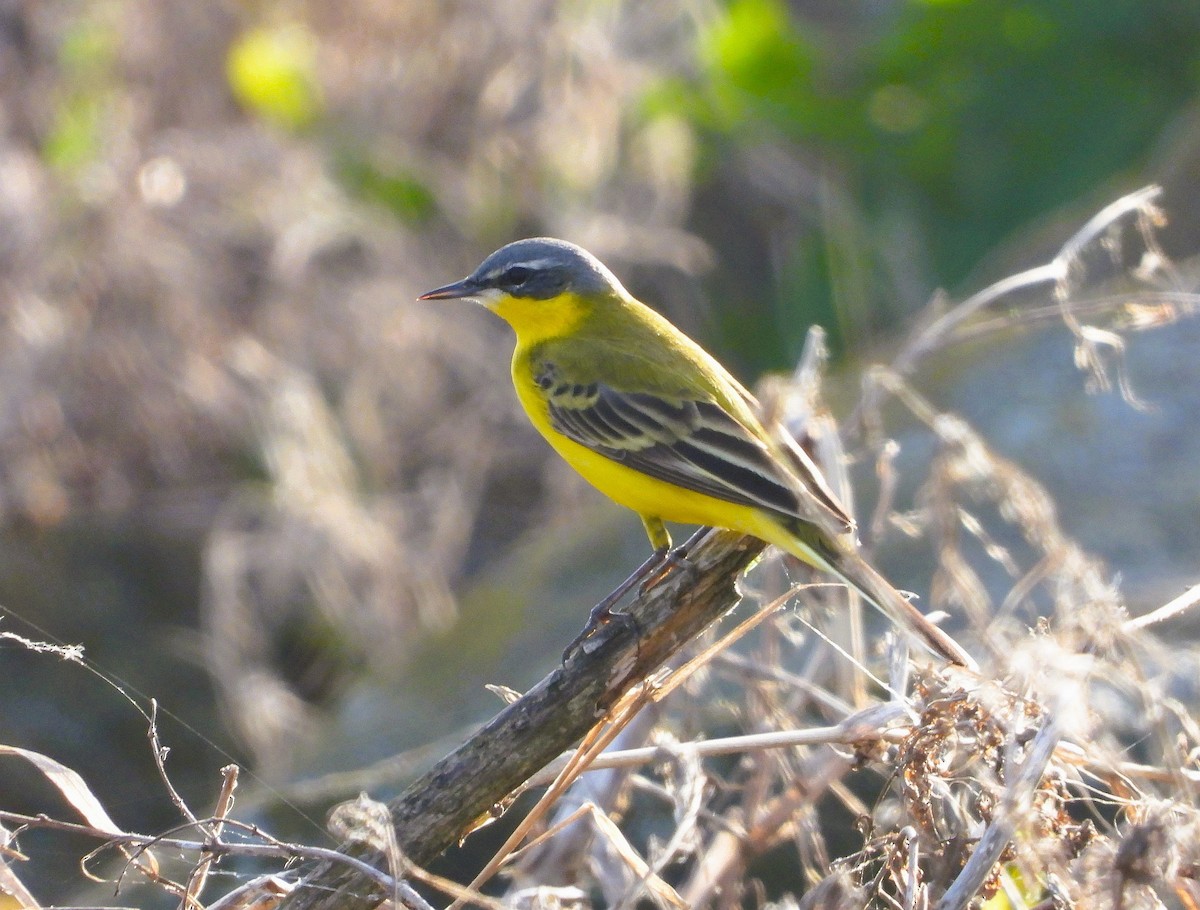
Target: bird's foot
663,563
668,564
602,614
646,575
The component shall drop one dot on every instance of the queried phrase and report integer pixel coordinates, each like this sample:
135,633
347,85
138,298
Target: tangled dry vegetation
799,754
796,756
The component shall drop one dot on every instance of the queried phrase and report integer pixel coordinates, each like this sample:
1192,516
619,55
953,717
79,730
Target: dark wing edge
812,478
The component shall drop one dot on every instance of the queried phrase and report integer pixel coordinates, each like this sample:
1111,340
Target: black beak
464,288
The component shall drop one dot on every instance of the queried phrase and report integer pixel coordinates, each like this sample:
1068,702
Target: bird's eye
517,275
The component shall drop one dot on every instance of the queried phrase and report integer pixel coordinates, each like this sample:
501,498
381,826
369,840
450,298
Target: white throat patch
488,297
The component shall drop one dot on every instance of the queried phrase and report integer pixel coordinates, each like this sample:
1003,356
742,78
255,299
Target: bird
658,425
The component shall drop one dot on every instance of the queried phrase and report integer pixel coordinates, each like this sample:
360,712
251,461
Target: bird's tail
841,559
862,577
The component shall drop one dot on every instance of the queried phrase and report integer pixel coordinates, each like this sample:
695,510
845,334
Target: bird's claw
602,614
672,561
654,571
647,575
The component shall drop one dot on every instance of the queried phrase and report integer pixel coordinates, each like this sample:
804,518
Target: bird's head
541,286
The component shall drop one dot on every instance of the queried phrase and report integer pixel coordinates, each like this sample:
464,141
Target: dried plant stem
199,877
1014,807
725,861
849,732
595,742
1180,604
1056,272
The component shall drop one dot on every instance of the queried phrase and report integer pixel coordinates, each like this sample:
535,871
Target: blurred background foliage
260,483
937,128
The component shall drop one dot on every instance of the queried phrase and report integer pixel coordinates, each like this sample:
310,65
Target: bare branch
471,783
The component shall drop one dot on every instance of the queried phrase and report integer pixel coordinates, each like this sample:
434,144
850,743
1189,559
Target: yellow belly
649,496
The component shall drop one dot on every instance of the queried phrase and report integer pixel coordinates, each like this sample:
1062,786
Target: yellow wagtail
656,424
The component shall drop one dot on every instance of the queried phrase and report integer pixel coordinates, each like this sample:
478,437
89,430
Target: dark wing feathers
695,444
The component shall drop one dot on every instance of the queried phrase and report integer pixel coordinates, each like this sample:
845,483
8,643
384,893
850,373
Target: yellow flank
644,494
535,321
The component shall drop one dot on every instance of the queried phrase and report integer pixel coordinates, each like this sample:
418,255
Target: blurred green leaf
86,57
88,48
400,193
757,51
272,72
74,139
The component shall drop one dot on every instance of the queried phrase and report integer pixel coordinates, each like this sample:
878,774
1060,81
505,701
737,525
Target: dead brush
791,757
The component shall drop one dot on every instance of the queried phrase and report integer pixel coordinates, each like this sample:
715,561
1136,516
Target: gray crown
542,267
